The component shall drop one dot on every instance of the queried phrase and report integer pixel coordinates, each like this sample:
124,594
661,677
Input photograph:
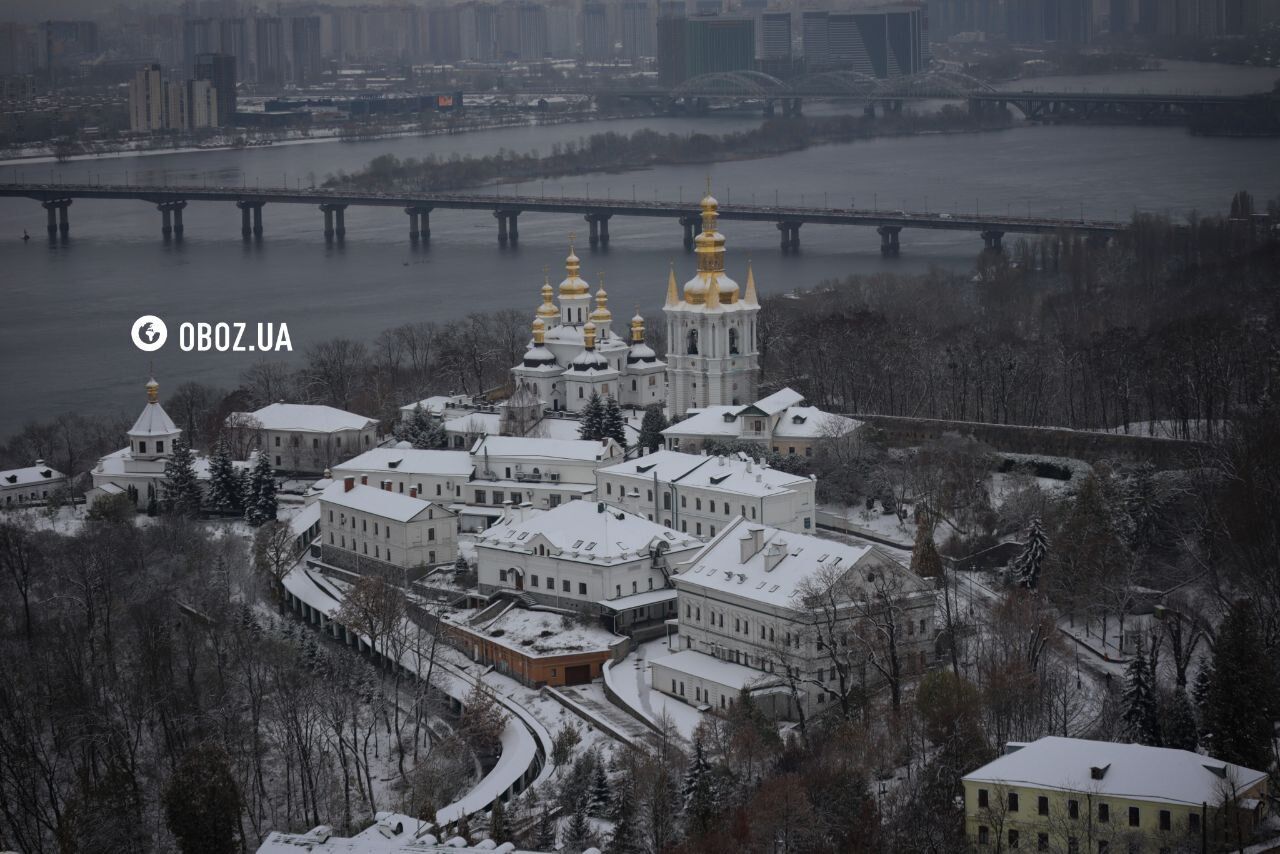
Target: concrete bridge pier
248,209
599,229
889,240
171,219
790,231
991,241
768,107
419,223
690,224
335,223
57,212
508,228
791,106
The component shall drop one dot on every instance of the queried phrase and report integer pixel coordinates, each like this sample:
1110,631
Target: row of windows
8,499
1042,841
315,443
142,446
380,552
565,584
1104,811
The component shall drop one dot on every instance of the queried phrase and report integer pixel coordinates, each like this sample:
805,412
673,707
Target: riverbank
615,153
36,155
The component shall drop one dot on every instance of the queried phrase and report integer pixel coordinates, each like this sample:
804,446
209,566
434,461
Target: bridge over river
507,209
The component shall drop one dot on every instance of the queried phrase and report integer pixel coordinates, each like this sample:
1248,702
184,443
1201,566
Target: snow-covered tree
1140,715
626,835
180,486
226,493
260,497
613,425
651,427
544,835
599,804
1240,701
592,415
1178,722
421,430
925,560
699,791
498,828
578,833
1027,566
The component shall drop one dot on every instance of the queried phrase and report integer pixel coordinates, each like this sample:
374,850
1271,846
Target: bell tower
712,352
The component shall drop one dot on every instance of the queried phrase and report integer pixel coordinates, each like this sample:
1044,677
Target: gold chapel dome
548,308
573,284
602,313
711,286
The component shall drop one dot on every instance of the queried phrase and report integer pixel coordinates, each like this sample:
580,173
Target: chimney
364,480
39,463
750,544
413,492
749,463
774,554
348,484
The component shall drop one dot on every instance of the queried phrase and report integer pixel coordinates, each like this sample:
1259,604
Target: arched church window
692,349
733,341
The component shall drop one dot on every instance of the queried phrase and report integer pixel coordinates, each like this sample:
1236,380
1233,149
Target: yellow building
1073,796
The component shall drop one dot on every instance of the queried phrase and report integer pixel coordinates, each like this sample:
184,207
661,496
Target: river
68,307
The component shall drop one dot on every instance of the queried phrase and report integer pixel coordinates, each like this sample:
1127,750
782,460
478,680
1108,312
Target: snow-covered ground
631,680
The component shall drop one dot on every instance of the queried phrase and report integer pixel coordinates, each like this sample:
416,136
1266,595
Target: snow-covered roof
729,474
306,517
376,502
29,475
534,633
409,461
309,418
1130,771
772,573
787,419
436,404
708,421
638,600
153,421
774,403
810,422
581,450
490,424
703,666
116,463
582,530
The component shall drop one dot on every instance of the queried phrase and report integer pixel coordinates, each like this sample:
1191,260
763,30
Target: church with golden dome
711,335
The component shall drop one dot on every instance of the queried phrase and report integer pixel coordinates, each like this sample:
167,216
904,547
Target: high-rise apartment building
220,70
269,58
147,100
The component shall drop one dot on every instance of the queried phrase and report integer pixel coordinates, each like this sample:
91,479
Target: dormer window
1098,772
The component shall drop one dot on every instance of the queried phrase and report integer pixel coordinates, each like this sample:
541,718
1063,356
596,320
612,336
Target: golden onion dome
573,284
709,247
548,308
602,313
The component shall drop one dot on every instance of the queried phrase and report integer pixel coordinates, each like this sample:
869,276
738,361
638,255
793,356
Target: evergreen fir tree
622,799
1178,723
1026,567
545,833
577,833
651,428
498,829
599,790
226,494
925,560
613,425
181,488
260,497
433,437
1140,713
421,430
592,419
1240,702
626,835
202,803
1200,689
698,791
